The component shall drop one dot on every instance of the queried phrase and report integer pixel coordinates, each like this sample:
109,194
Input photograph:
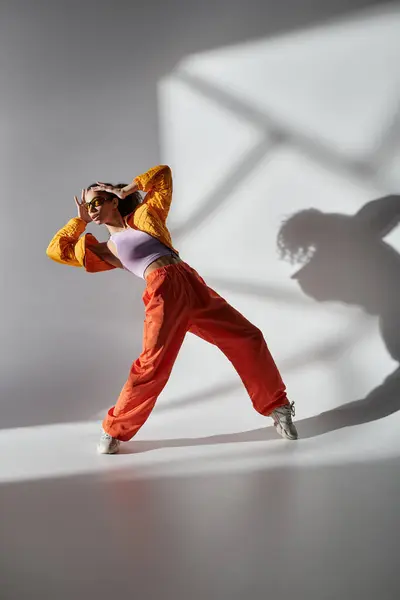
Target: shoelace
287,410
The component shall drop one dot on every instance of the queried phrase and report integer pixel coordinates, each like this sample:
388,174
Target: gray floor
321,532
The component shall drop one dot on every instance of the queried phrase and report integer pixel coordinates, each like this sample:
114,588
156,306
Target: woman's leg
219,323
166,322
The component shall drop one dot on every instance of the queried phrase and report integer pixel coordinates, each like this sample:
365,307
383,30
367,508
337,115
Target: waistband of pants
165,270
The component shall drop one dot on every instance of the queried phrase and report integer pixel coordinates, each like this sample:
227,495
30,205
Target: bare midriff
163,261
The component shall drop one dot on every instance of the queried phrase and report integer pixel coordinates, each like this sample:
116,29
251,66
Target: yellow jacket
69,247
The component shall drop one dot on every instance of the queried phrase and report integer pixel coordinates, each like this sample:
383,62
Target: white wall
100,91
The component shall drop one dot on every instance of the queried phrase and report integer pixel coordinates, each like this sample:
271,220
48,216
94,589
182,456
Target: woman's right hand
83,212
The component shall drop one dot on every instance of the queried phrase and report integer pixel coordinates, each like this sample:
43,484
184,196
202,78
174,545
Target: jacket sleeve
69,247
157,182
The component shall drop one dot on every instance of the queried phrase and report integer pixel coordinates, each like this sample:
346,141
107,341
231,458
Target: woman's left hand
103,187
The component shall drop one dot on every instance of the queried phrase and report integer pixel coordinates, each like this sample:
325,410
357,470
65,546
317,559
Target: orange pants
177,300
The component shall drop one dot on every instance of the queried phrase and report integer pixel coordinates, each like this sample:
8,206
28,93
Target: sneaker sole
284,434
101,450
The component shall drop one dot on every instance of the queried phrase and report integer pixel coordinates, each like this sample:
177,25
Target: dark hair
126,205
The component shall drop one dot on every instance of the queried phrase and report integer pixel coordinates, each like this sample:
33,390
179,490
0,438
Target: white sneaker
108,444
283,423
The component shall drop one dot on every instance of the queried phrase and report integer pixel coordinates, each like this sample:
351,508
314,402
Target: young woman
176,300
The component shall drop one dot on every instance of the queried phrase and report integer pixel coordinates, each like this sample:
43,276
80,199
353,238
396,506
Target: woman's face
100,206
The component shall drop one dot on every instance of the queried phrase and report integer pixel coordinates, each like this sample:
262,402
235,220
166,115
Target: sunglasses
95,203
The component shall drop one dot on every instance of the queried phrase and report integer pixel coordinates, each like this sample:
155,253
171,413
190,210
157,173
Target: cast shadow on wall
344,258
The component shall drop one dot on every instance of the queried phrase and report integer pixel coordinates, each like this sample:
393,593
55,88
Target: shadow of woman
345,259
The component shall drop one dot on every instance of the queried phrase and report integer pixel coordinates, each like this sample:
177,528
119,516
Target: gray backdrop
78,103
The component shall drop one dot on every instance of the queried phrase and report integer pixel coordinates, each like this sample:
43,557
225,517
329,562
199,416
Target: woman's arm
70,247
65,247
102,251
157,182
